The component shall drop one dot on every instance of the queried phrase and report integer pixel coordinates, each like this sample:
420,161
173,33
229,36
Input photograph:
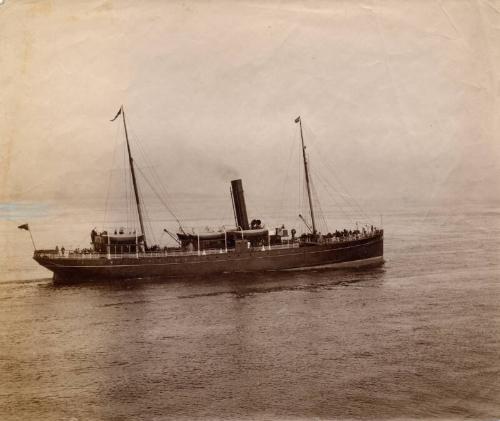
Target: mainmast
306,169
132,171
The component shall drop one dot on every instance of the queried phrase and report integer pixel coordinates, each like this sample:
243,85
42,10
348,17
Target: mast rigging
132,171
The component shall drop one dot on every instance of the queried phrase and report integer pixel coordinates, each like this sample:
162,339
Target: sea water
416,338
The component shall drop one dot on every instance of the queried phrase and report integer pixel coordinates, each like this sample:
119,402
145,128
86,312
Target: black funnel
240,207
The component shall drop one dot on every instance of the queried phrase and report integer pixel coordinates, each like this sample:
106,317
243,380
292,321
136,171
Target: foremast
132,171
306,170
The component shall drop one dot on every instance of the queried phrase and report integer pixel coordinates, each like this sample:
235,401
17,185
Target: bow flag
118,113
27,228
297,119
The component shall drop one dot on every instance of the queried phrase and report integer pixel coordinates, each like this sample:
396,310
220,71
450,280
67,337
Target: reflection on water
417,338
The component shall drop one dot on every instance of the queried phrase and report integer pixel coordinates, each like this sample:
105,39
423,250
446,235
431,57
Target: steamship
246,247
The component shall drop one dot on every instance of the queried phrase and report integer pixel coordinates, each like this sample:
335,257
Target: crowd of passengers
345,235
364,232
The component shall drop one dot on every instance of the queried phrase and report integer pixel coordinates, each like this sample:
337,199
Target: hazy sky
401,98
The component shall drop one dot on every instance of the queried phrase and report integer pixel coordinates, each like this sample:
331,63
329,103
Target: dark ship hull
367,251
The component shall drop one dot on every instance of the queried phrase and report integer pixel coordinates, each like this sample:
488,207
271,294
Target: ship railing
181,253
279,246
69,255
72,254
86,256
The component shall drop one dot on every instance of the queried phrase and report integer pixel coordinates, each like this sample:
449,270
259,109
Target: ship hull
355,253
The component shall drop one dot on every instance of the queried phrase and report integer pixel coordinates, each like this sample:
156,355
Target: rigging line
338,205
332,191
131,209
344,195
319,176
157,179
301,181
150,227
318,205
357,211
345,192
324,218
318,202
125,183
145,210
109,179
282,199
132,204
304,211
159,197
148,161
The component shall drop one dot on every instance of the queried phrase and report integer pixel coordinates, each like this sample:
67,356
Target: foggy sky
401,98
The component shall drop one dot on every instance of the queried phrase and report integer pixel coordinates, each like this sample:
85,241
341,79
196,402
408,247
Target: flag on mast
118,113
297,119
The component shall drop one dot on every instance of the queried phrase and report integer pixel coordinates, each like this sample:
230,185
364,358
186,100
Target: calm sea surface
418,338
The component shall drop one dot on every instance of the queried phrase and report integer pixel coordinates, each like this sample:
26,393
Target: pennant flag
297,119
117,114
24,227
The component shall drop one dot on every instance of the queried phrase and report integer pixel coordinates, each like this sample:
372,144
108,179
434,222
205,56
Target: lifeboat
206,235
249,234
